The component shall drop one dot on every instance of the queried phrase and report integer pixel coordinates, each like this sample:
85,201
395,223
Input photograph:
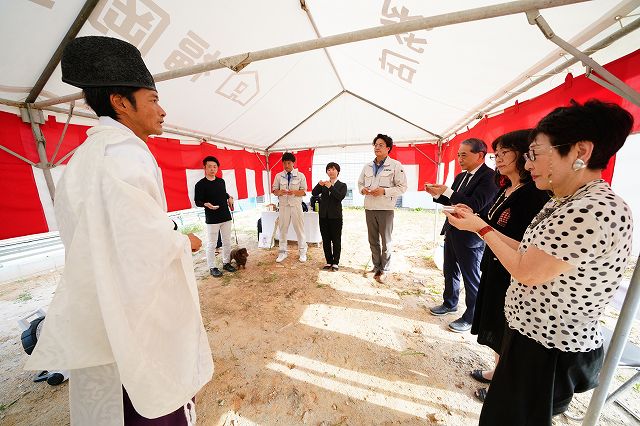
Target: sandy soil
296,345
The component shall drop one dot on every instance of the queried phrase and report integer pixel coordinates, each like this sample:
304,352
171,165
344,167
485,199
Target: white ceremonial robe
126,311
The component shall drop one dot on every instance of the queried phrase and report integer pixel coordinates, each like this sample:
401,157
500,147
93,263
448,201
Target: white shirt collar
473,172
108,121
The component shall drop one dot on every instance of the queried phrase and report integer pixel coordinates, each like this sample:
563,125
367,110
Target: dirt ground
295,345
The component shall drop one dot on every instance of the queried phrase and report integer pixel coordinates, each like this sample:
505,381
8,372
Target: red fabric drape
526,114
424,155
21,211
174,158
304,162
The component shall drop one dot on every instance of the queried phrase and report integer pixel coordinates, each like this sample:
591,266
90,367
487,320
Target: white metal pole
616,347
237,62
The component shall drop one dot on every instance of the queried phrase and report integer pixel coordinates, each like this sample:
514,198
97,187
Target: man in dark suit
331,193
476,188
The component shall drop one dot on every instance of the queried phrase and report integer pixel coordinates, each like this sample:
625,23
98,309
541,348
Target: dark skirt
133,418
532,383
488,318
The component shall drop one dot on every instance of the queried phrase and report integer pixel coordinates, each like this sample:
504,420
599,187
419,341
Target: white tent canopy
423,71
416,86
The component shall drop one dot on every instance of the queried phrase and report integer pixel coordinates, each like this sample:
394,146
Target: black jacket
330,199
478,194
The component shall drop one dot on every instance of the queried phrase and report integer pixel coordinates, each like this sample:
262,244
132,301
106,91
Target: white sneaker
282,256
303,257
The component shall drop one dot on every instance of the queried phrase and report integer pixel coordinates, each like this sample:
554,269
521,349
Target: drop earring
578,165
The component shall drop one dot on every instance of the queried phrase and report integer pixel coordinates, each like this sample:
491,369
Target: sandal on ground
477,374
481,394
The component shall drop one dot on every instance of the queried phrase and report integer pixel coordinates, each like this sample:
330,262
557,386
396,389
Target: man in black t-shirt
211,193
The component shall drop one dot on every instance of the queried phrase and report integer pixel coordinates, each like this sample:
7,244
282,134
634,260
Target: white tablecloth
311,228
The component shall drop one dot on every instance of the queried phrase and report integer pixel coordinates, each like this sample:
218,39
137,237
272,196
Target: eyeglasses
531,155
380,145
499,155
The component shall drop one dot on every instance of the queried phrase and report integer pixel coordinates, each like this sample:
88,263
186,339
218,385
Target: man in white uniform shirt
125,318
290,186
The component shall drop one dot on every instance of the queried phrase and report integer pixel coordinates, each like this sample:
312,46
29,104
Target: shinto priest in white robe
126,311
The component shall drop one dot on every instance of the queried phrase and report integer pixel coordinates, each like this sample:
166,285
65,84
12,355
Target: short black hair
606,125
333,165
477,145
99,99
210,158
287,156
517,141
387,140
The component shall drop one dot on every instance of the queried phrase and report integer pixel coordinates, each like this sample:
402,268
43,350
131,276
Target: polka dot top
592,231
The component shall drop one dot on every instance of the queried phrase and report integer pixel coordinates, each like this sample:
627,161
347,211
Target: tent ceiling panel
436,77
431,78
286,91
31,32
617,50
350,121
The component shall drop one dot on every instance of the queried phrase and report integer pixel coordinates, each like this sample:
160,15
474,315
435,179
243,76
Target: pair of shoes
334,267
215,272
303,257
477,374
481,394
442,310
459,326
326,267
228,267
380,276
282,256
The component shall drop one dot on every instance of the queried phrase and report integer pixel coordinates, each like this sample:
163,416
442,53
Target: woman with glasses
564,271
516,204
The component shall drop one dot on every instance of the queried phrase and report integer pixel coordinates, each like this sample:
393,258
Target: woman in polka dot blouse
565,270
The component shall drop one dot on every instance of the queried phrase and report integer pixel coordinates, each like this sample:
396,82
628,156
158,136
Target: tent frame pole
266,157
305,120
238,62
303,5
435,217
393,114
535,18
499,98
616,348
73,31
35,118
15,154
64,132
395,143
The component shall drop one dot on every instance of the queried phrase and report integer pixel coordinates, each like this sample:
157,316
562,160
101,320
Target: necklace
548,210
500,201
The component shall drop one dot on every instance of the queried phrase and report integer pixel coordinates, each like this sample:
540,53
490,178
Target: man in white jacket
381,182
125,318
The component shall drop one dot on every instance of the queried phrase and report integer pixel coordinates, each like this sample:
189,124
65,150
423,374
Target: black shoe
228,267
215,272
460,326
442,310
481,394
477,374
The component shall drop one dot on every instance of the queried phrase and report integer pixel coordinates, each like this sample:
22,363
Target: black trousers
331,231
533,383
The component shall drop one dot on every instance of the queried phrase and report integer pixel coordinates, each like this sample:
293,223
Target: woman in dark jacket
516,204
331,193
